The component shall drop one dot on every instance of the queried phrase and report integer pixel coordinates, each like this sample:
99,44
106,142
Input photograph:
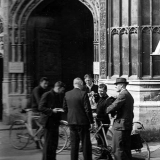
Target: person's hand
55,110
91,126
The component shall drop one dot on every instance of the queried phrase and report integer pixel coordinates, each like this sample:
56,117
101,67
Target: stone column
5,8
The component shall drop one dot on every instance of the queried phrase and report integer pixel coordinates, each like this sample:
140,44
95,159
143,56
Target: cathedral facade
66,39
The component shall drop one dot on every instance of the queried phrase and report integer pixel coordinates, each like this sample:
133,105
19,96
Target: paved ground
7,152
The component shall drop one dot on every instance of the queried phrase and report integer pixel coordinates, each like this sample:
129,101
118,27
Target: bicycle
20,134
141,151
99,145
66,127
140,148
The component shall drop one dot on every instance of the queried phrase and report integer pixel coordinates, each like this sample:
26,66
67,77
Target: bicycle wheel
143,153
68,144
109,136
62,140
97,145
18,134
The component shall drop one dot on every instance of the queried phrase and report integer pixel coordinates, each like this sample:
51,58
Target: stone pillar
102,60
5,8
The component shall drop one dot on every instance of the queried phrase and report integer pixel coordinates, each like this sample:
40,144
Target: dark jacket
49,101
102,104
76,104
36,96
94,88
123,105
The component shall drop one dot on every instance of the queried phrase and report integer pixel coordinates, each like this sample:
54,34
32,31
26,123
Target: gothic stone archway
16,86
60,42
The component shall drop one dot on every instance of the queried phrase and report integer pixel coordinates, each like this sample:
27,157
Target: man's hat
121,80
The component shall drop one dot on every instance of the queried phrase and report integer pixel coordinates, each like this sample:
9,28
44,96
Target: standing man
91,89
122,125
103,102
51,107
79,114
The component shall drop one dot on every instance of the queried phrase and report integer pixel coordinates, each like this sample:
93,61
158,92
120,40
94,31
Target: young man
38,92
35,99
90,86
91,89
51,107
76,105
122,125
103,102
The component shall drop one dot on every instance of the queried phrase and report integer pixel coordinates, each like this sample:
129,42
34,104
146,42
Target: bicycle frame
30,128
99,128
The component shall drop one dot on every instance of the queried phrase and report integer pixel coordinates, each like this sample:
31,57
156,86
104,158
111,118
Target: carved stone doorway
60,41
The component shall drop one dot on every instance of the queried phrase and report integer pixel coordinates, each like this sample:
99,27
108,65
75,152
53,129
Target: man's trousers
122,144
77,133
51,143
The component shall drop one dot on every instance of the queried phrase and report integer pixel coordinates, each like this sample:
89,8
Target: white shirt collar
90,86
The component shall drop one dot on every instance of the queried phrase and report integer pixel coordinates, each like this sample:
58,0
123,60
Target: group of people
77,105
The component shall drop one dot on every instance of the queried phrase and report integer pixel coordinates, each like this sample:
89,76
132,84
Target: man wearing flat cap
123,106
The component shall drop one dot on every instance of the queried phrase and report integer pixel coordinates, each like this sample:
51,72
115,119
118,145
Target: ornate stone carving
156,29
146,29
103,38
115,31
124,30
133,30
13,11
1,38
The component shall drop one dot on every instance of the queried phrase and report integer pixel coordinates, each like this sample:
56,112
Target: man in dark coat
103,102
90,86
38,92
91,89
122,125
35,99
51,106
79,115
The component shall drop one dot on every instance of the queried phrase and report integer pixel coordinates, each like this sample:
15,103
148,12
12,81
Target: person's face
44,84
119,87
88,81
81,85
61,89
102,92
